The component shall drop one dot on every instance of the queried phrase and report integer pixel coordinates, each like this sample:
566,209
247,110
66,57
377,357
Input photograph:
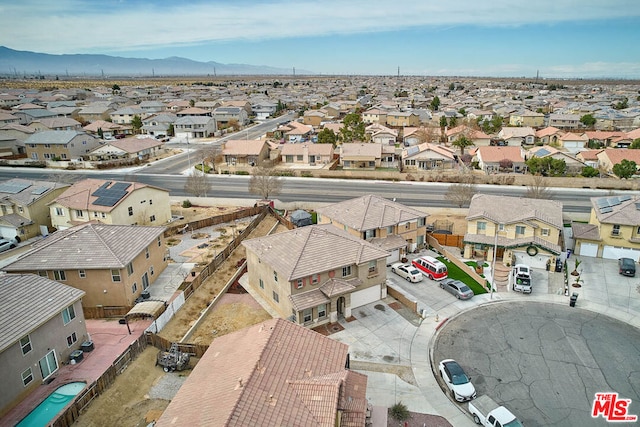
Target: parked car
457,380
488,413
5,245
627,267
407,271
457,288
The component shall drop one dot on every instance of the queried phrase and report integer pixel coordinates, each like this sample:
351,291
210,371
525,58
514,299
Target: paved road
544,361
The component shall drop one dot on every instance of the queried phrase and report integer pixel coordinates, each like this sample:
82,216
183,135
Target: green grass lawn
457,273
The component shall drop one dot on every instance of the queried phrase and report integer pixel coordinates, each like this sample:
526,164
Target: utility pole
398,71
188,154
294,71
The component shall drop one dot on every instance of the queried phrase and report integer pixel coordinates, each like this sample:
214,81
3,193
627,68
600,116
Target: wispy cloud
65,26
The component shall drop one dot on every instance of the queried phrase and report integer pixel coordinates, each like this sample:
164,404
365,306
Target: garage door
537,261
394,257
615,252
365,296
8,232
589,249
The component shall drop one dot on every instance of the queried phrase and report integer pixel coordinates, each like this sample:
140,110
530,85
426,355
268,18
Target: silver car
5,245
457,288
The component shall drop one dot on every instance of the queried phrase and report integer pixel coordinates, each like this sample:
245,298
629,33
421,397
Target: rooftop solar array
606,204
13,187
109,196
40,190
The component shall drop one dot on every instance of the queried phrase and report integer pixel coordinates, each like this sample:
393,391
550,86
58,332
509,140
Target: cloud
65,26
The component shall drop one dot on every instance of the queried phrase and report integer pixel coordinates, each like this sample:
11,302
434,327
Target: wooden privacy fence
196,350
71,414
214,220
449,239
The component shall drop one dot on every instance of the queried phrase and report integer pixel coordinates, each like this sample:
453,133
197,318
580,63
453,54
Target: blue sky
558,38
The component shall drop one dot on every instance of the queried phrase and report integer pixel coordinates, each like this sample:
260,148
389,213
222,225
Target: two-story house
223,115
194,127
25,210
125,115
112,264
526,118
402,119
519,229
613,230
60,145
42,323
390,225
316,274
55,123
110,202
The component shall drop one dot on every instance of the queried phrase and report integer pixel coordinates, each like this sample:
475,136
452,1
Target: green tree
453,122
635,144
400,412
462,142
327,136
546,166
192,102
625,169
136,124
443,122
352,128
100,133
171,130
492,126
435,103
115,88
621,105
589,172
588,120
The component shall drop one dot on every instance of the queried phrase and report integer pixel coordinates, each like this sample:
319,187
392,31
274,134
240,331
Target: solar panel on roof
606,209
624,198
39,190
13,187
613,201
107,201
412,150
120,186
602,203
101,189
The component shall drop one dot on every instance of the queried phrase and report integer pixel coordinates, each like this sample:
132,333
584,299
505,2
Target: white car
5,245
456,380
407,271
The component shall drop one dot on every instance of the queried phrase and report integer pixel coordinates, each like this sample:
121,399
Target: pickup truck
487,412
521,278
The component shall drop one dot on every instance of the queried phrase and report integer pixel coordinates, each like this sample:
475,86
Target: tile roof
313,249
275,373
55,137
298,149
622,209
370,212
509,210
133,145
361,150
506,242
250,147
585,231
87,246
29,191
27,301
495,154
617,155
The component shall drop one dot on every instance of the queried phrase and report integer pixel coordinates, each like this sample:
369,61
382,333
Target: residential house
112,264
316,274
129,148
402,119
250,152
109,130
332,110
308,377
206,105
12,138
28,116
476,136
100,110
314,118
194,127
501,159
224,115
296,132
574,142
589,157
60,144
518,136
380,134
306,154
599,138
55,123
549,136
7,100
6,118
419,135
392,226
375,116
152,107
25,210
360,155
42,323
158,124
194,111
110,202
264,110
574,165
426,156
564,121
613,230
523,230
239,103
125,115
610,157
526,118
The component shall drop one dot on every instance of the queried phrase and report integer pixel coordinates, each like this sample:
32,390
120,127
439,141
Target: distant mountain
23,62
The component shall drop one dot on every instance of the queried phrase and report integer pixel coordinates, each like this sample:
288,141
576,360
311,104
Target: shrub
186,204
400,412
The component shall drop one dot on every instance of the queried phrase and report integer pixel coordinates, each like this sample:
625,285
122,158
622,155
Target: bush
400,412
242,173
186,204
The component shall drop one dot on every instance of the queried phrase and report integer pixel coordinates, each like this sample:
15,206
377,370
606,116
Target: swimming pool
52,405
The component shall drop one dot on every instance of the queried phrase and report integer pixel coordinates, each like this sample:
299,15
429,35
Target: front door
341,304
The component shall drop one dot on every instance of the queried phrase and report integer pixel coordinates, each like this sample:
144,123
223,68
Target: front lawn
457,273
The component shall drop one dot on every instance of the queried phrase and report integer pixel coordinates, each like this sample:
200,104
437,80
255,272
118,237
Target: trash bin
76,356
145,294
559,265
573,299
87,346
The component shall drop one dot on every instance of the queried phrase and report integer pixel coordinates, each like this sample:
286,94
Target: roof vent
239,385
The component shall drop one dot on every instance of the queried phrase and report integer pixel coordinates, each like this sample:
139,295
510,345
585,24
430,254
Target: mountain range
21,63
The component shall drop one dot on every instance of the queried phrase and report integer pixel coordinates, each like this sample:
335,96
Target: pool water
52,405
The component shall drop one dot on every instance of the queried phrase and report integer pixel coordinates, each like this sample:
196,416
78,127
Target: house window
72,339
276,298
151,270
159,241
261,283
315,279
103,215
373,266
519,229
115,276
59,212
27,376
299,283
369,234
275,275
545,232
390,229
63,156
48,364
20,209
59,275
420,240
79,214
299,158
68,314
422,222
42,273
322,311
130,268
481,227
95,214
150,201
134,288
500,227
306,315
130,210
82,274
152,218
616,230
146,253
25,344
346,271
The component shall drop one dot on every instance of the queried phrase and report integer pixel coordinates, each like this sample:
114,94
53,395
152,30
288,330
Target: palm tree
462,142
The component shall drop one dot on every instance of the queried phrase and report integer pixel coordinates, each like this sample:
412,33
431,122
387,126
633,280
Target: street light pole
188,155
493,267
